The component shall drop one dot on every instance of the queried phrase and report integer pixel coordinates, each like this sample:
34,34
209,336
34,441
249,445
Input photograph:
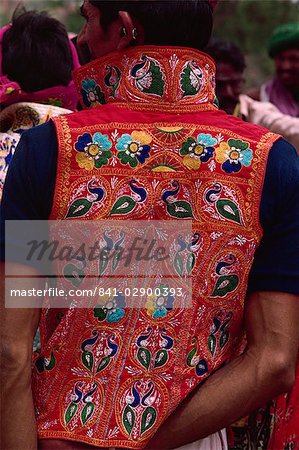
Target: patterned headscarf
11,92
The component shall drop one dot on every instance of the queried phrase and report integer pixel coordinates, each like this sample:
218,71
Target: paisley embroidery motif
153,348
180,209
191,79
195,361
98,350
126,204
148,76
227,282
226,208
112,79
81,206
219,335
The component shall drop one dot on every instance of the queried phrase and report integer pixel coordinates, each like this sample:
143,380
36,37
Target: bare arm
18,328
266,369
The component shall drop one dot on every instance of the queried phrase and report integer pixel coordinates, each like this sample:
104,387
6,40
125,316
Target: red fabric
285,434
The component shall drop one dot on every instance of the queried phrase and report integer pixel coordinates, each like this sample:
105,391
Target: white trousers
216,441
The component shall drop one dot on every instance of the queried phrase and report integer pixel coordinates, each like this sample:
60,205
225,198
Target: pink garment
275,92
63,96
268,116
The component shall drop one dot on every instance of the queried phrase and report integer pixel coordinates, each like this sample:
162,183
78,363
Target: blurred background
248,23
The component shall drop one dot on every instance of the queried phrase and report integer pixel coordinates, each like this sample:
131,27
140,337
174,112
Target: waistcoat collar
173,79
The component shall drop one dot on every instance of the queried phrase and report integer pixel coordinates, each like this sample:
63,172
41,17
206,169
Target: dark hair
226,52
36,52
186,23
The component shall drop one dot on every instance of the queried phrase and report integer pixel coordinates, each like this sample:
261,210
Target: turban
284,37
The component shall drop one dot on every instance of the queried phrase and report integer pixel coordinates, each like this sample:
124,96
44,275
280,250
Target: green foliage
249,24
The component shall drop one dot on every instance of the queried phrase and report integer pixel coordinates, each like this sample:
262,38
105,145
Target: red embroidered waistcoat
157,149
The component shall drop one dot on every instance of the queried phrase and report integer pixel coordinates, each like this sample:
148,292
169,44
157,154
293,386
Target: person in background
230,66
283,90
36,63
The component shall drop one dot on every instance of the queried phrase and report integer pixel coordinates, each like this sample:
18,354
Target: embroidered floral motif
198,151
7,148
148,76
133,148
91,93
93,150
191,79
112,79
233,154
111,308
157,306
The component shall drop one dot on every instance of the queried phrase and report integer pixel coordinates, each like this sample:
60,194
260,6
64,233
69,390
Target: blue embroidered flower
133,148
198,151
112,309
93,150
92,93
157,306
234,154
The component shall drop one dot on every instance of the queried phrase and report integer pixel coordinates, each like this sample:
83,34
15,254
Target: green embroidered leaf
144,357
115,260
237,143
191,355
224,285
223,338
123,205
87,412
103,262
73,274
178,264
87,360
100,313
186,145
180,209
186,85
212,344
157,84
128,419
51,363
102,160
148,419
161,358
103,363
70,412
190,263
79,208
228,210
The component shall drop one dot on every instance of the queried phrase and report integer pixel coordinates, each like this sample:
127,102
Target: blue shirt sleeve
276,262
29,190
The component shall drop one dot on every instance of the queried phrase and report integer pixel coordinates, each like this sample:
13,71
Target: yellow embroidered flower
190,162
